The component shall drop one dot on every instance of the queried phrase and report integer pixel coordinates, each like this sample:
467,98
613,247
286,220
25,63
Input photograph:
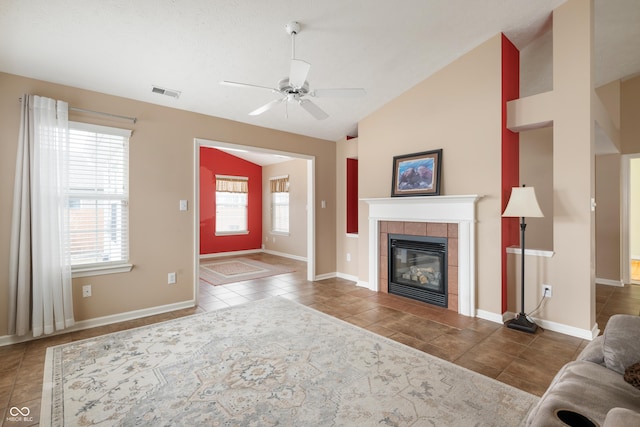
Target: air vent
167,92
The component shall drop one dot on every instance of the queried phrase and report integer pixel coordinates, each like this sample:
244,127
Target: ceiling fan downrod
292,29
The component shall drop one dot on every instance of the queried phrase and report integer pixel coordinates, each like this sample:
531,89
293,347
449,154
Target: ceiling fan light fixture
295,87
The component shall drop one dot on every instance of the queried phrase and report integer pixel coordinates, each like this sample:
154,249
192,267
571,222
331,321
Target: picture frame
417,174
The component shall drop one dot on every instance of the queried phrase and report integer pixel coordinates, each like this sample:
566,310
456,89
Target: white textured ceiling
123,47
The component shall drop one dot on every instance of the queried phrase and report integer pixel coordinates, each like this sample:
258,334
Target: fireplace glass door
418,268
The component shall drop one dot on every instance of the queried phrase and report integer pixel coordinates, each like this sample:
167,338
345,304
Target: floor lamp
522,203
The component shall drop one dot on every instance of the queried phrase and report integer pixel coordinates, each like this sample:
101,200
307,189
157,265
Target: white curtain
40,270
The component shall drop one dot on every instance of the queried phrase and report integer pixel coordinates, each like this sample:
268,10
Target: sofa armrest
593,352
617,417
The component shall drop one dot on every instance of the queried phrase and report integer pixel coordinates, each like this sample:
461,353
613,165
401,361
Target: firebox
418,268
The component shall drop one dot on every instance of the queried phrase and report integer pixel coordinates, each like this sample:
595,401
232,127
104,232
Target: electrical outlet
546,291
171,278
348,257
86,291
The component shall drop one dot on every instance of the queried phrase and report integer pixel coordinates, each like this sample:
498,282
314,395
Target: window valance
232,184
279,184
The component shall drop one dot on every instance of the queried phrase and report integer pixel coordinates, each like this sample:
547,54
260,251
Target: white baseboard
102,321
487,315
282,254
569,330
610,282
347,277
253,251
325,276
585,334
231,253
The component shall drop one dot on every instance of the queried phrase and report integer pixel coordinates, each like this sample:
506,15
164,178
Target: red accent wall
215,162
510,153
352,195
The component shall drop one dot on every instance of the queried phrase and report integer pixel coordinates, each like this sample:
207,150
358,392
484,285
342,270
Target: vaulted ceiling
124,48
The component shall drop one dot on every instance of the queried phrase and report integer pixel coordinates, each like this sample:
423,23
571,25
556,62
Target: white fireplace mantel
443,209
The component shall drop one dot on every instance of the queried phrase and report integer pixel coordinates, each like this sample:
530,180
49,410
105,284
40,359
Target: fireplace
418,268
450,216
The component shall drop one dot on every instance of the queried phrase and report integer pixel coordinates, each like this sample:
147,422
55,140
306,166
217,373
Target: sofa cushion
618,417
632,375
586,388
593,351
621,344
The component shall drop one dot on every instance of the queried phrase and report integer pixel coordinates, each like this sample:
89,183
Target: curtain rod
100,113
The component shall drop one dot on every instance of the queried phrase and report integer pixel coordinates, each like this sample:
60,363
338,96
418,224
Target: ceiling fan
295,88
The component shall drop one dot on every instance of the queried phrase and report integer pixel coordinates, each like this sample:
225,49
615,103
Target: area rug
266,363
234,270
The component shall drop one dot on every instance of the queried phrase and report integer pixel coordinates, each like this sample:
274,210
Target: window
279,204
98,197
232,195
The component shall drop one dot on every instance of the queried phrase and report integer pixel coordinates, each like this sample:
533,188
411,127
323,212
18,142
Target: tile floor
525,361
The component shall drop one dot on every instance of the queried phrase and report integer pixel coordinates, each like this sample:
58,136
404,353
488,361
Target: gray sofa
593,386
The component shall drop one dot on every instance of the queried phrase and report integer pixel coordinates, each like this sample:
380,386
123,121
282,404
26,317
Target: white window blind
98,198
232,198
279,187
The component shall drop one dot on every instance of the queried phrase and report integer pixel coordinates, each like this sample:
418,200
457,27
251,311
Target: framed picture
417,174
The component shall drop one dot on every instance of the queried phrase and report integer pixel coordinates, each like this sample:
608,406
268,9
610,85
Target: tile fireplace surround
432,216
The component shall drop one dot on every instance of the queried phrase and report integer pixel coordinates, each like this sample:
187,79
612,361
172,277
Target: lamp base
521,323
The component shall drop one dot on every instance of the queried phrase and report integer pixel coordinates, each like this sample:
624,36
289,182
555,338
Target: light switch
183,205
323,204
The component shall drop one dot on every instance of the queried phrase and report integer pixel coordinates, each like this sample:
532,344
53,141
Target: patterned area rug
236,270
266,363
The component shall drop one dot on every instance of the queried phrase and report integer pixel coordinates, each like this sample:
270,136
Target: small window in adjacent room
279,187
98,198
231,204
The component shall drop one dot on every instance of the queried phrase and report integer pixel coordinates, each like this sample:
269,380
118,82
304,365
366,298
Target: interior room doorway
310,198
630,217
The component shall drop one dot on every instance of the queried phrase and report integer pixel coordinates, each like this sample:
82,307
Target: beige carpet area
266,363
222,272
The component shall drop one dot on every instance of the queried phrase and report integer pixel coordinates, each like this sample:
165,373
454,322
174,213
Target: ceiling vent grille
167,92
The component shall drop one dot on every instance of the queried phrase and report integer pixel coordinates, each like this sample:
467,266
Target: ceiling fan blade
339,93
266,107
246,85
313,109
298,72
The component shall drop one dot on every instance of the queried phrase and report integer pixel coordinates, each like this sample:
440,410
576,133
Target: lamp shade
523,203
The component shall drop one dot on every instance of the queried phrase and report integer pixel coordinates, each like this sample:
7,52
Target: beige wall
634,209
609,94
630,116
346,244
608,218
295,243
536,65
457,109
570,108
161,173
571,271
536,170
